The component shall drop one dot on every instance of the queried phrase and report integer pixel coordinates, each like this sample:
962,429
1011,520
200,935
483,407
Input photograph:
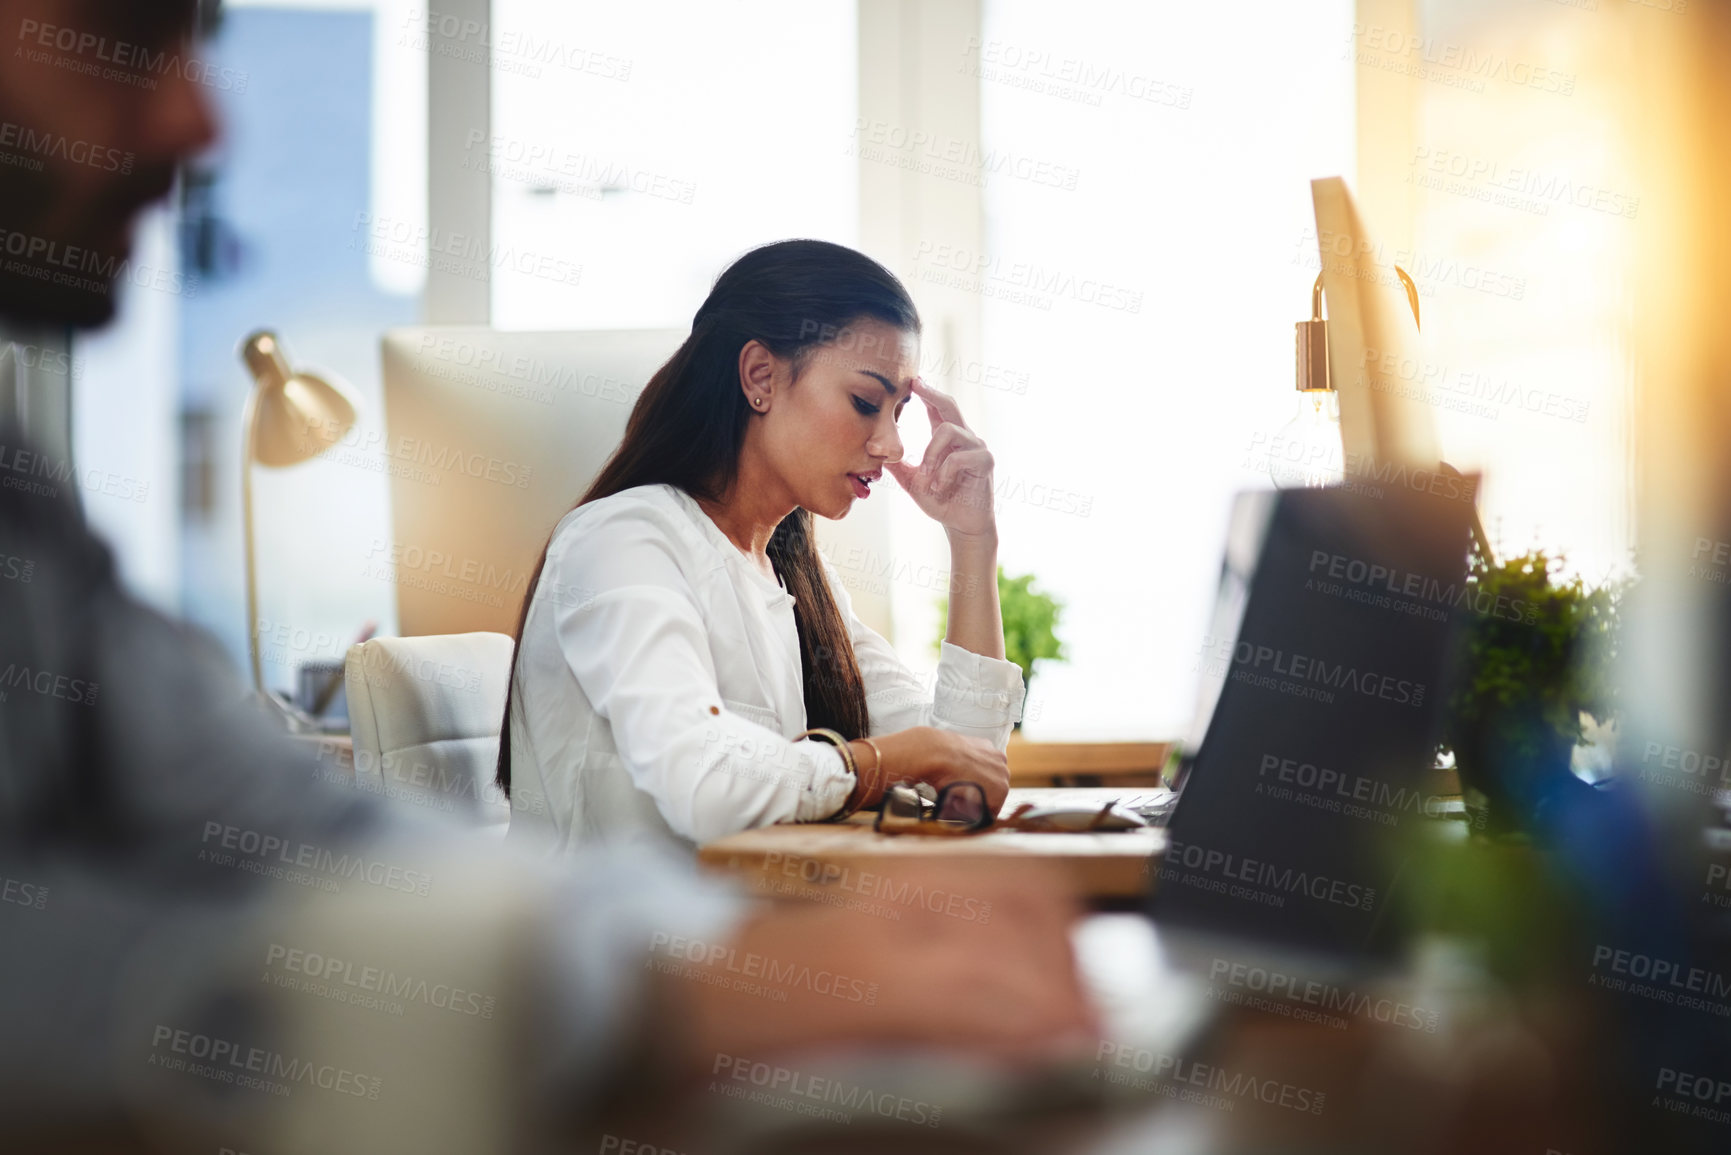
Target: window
640,147
323,137
1525,198
1140,312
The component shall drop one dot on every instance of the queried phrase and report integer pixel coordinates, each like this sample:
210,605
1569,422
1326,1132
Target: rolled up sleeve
970,694
641,652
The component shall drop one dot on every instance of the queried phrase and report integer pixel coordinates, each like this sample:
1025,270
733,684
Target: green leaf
1030,622
1534,645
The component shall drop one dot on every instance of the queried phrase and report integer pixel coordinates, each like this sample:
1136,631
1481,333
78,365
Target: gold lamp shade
295,416
290,418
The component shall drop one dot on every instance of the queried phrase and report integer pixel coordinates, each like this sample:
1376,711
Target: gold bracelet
877,770
846,751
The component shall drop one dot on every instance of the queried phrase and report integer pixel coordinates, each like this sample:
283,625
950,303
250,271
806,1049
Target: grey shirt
202,936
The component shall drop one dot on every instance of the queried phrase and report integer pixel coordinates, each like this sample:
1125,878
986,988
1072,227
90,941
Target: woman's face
826,435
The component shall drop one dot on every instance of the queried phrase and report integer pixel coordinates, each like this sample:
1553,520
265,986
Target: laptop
1322,682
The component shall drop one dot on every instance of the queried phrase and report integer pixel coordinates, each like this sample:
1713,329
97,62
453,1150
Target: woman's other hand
939,757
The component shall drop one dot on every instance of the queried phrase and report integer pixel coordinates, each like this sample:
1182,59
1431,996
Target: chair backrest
425,715
494,436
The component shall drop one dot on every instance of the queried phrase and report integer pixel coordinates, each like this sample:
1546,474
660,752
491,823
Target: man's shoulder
43,535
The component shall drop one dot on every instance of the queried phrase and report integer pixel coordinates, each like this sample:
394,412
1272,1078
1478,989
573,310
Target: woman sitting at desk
682,632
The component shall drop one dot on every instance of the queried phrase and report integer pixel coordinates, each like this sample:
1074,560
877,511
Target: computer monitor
1371,324
490,438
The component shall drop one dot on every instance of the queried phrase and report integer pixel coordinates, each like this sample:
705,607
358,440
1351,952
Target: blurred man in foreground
206,946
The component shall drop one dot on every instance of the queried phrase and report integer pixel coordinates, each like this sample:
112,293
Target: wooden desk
812,859
1086,763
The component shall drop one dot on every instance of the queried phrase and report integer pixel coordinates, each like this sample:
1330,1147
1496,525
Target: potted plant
1030,624
1537,653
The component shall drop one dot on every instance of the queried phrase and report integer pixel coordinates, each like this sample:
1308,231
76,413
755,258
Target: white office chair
425,714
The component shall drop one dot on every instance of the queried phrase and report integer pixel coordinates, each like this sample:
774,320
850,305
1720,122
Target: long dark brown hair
688,427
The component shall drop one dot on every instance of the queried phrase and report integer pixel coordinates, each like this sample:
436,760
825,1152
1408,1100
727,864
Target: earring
757,401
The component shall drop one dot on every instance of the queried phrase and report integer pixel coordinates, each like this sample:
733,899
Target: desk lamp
290,418
1307,450
1315,433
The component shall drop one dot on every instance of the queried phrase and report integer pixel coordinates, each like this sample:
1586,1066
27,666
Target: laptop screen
1320,703
1244,538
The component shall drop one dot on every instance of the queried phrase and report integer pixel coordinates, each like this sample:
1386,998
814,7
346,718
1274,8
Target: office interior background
1102,209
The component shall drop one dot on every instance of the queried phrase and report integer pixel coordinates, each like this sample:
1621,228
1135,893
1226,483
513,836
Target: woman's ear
757,375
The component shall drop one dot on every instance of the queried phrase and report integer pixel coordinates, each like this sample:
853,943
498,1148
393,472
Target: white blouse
658,686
